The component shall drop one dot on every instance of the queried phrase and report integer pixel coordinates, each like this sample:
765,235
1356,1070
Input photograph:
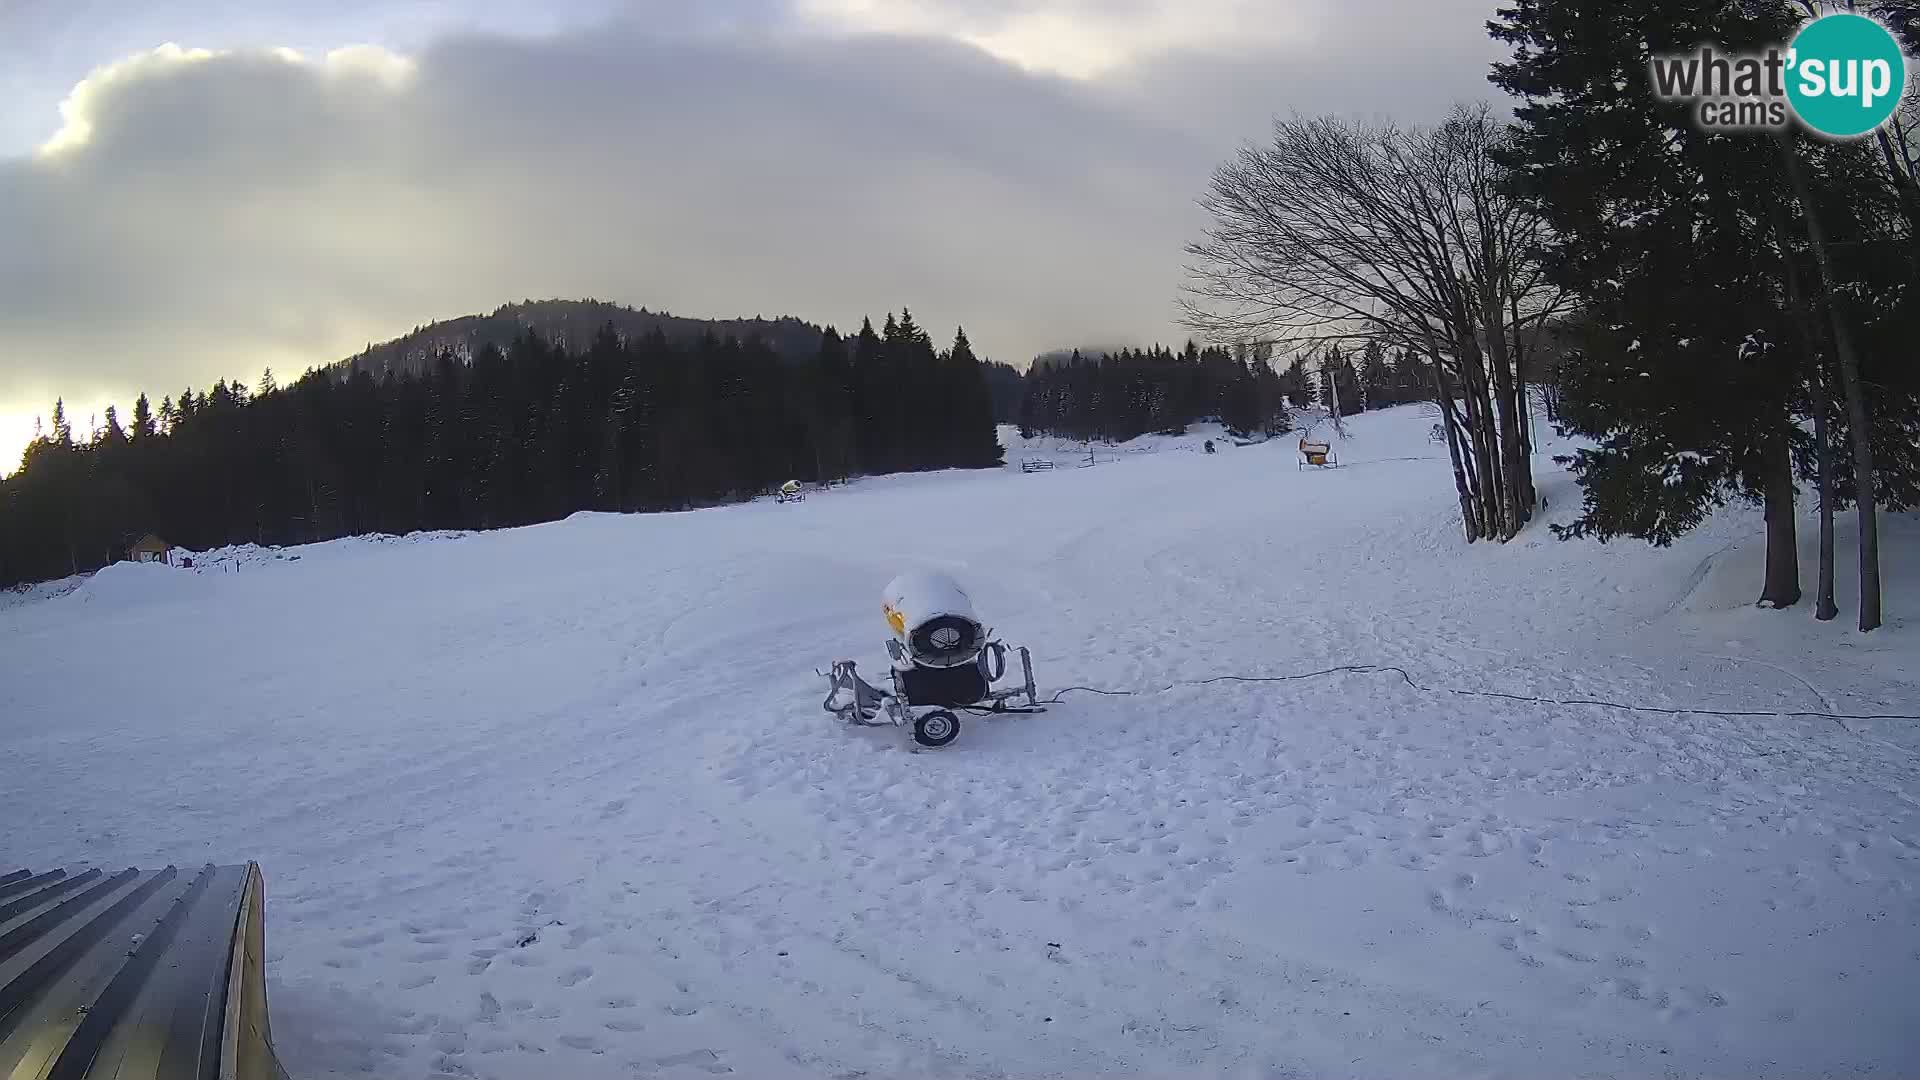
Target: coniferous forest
526,433
1126,393
1132,392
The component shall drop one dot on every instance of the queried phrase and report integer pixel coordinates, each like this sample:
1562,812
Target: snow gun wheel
937,728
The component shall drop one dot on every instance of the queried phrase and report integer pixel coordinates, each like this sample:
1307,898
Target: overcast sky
204,188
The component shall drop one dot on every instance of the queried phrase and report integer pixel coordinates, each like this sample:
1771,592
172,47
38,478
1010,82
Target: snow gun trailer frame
856,701
135,975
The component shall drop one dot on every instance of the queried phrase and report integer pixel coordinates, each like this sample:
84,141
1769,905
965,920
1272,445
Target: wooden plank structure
1036,465
150,548
134,975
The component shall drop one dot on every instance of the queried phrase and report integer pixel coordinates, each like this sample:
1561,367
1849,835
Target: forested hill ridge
1066,354
571,325
511,436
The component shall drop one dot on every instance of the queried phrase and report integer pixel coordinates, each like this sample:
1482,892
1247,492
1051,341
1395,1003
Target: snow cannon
944,658
932,621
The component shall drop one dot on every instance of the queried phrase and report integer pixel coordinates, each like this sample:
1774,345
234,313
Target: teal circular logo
1846,75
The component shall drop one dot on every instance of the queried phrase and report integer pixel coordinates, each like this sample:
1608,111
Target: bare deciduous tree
1340,231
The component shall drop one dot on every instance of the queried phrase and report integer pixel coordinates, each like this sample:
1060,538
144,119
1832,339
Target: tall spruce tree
1375,378
970,405
143,426
1299,384
1683,369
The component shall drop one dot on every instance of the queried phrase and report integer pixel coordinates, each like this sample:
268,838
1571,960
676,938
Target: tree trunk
1823,606
1444,400
1513,462
1859,423
1530,494
1902,181
1516,495
1811,353
1481,439
1783,555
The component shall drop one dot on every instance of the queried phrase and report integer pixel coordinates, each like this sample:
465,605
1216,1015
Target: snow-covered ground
560,801
1073,453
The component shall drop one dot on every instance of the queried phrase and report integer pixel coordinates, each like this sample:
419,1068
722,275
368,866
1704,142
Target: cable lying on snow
1377,669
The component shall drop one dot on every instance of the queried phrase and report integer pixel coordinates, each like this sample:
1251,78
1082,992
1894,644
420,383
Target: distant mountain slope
572,322
1063,355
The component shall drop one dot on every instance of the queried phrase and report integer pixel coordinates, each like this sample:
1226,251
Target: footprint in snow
704,1060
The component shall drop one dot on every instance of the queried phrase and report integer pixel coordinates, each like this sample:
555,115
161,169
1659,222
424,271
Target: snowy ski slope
560,801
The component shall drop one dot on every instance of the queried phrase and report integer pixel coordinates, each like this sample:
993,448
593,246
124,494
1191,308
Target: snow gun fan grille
945,641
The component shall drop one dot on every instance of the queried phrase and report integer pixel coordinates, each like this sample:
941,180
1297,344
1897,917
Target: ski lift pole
1333,394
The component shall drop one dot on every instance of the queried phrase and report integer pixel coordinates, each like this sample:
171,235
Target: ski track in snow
560,801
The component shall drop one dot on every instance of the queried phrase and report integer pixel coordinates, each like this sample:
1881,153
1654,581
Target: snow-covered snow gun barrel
944,658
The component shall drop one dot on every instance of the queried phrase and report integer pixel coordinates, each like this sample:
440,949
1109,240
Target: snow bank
1718,609
40,590
1729,579
240,557
128,584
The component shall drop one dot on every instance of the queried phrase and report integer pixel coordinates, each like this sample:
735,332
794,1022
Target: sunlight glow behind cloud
1080,39
77,111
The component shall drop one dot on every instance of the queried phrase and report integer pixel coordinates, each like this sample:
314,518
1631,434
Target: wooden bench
1035,466
1318,454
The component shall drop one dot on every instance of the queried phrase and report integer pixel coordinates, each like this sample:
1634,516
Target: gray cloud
242,211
